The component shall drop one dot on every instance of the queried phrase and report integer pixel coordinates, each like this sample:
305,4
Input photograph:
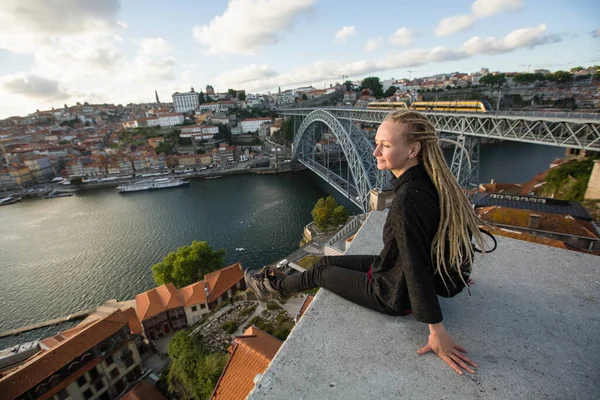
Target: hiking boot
260,282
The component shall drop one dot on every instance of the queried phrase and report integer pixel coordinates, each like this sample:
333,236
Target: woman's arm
443,345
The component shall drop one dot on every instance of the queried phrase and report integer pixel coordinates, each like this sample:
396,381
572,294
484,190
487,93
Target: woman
427,241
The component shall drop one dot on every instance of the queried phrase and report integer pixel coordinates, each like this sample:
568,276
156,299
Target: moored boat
152,184
9,200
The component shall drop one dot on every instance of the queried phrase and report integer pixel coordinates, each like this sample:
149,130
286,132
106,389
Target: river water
62,255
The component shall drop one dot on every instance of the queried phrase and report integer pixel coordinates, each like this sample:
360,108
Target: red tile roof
193,294
46,363
144,390
220,281
157,300
250,355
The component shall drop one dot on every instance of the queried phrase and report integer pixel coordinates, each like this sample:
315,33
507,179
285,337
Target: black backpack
452,285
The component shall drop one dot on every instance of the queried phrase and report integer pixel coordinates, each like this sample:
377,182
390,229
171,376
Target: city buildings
251,125
95,361
187,101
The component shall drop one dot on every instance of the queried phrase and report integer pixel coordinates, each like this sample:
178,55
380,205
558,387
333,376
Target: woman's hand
443,345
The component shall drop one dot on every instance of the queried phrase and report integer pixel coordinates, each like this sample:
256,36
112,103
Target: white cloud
479,9
344,33
486,8
373,44
332,71
26,26
153,47
33,87
244,75
596,33
402,37
248,25
454,24
528,37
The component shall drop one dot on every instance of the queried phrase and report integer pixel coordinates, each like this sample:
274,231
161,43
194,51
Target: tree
304,97
241,96
497,80
194,372
201,99
287,127
348,86
390,91
188,264
373,83
562,76
327,213
232,93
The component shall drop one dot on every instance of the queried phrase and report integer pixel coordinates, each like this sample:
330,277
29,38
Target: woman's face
391,151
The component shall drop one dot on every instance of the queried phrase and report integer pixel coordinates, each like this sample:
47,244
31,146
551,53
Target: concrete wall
593,189
531,323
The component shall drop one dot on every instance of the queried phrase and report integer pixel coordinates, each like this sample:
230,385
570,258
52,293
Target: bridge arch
357,149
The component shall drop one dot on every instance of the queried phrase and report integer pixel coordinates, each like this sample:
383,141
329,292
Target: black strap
493,238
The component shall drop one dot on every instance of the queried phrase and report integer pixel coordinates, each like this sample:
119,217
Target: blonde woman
427,241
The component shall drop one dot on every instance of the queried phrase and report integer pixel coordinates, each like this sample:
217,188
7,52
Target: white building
170,119
253,124
183,102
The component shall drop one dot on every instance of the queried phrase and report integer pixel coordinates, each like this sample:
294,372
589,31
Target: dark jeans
345,276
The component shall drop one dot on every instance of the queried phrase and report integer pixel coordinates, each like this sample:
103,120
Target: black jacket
403,274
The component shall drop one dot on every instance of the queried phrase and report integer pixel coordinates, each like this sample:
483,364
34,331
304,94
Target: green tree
232,93
288,129
241,96
373,83
497,80
304,97
348,86
327,213
194,372
562,76
390,91
201,99
188,264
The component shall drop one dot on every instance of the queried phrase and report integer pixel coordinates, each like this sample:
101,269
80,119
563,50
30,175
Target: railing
355,222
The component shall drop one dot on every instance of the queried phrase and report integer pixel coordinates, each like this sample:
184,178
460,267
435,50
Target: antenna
410,71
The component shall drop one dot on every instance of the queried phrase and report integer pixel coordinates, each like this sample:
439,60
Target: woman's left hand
454,355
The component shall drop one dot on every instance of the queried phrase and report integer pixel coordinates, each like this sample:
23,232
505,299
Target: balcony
532,324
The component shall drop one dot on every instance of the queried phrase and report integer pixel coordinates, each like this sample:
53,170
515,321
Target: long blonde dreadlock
458,221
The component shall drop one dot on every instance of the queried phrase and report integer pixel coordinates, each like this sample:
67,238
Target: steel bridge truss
362,174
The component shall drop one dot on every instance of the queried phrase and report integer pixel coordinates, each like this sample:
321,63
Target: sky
56,52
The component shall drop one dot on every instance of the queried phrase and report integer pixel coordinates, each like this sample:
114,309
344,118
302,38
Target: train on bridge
476,106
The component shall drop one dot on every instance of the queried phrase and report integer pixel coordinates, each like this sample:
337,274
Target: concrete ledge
532,324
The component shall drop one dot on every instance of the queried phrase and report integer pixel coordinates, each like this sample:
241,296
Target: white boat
152,184
9,200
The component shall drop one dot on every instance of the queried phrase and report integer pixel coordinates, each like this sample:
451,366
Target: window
128,361
94,374
119,386
202,306
88,394
194,308
62,395
109,361
81,381
99,385
114,373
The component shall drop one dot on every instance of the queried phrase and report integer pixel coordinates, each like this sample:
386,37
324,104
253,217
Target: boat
9,200
214,177
55,194
152,184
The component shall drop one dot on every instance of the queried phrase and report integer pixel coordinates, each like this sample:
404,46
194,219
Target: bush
328,214
248,311
272,305
230,326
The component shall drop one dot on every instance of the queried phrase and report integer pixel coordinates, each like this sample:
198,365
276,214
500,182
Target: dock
71,317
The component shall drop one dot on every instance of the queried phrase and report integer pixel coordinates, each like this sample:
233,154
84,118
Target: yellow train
477,106
387,105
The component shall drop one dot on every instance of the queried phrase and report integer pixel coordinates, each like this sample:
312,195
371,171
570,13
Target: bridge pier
465,162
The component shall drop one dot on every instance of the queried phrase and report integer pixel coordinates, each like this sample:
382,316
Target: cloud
373,44
520,38
153,47
25,26
486,8
402,37
33,86
248,25
333,71
479,9
344,33
247,74
596,33
454,24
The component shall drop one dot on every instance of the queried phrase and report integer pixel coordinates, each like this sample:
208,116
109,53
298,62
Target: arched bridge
359,175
